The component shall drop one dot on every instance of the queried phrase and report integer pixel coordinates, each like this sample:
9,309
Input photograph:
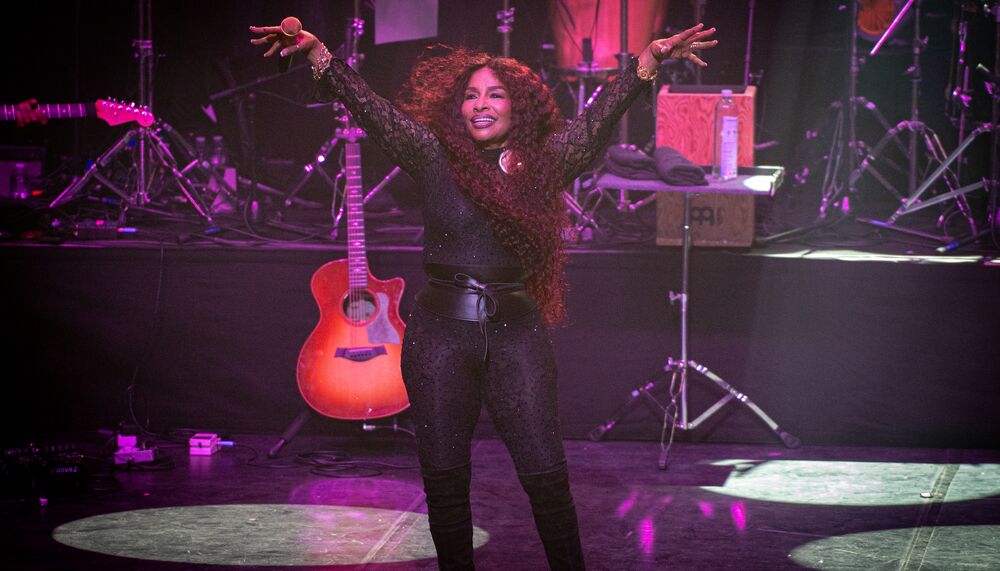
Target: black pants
448,383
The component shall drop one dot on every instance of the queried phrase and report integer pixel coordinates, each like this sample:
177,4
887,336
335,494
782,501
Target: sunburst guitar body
349,366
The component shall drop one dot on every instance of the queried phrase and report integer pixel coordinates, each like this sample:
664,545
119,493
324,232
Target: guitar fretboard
357,262
53,111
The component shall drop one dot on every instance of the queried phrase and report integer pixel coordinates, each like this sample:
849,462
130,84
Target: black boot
555,517
449,514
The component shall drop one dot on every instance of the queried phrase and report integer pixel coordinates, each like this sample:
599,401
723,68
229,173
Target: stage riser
841,353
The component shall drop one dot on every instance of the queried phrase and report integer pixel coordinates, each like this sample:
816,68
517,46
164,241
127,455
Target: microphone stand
505,21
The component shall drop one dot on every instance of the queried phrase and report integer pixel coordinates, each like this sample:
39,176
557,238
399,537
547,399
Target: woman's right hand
301,42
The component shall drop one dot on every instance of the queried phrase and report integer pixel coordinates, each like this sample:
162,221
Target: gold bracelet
647,74
322,63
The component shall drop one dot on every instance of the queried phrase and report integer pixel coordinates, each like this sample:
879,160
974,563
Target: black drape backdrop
81,51
838,352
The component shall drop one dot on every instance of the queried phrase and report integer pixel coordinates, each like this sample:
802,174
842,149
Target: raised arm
409,144
577,144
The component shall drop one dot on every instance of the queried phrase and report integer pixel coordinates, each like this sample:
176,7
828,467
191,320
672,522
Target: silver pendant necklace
503,160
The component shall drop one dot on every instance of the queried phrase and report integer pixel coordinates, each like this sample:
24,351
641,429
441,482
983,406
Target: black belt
476,293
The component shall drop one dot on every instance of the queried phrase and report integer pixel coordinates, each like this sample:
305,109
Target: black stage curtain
837,352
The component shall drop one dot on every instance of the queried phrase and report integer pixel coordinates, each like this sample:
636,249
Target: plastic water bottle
727,136
19,183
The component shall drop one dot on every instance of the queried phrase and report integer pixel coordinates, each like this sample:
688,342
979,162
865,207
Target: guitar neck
53,111
357,259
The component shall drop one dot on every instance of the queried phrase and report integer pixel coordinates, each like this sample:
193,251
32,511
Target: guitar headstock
115,113
350,134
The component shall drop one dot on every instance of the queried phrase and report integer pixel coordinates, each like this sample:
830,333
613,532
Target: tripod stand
148,140
676,411
150,150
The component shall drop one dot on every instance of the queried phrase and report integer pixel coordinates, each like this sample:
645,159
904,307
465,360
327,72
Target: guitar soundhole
359,306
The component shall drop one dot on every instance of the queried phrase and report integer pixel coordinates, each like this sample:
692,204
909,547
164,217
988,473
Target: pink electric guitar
112,112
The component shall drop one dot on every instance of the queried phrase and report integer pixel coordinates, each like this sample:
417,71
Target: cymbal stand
844,155
624,58
959,94
355,29
505,25
992,183
150,150
585,70
243,98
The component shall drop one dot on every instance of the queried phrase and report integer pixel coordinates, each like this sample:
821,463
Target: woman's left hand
679,46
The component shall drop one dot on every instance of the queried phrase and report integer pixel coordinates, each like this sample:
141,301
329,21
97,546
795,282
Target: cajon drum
686,122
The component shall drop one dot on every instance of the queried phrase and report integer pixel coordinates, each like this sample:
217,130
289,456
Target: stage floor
714,507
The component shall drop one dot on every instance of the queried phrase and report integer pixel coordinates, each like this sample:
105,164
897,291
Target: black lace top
455,230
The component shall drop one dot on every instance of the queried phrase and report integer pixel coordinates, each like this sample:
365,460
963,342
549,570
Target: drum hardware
913,201
850,159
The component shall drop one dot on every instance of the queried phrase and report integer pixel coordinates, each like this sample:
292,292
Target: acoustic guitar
349,365
112,112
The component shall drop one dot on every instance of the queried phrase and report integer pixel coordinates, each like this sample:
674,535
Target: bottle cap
727,92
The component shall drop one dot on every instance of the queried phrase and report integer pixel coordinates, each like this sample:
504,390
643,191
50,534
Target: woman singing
490,153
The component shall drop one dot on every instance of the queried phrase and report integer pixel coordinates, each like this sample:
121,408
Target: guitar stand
290,433
296,425
678,413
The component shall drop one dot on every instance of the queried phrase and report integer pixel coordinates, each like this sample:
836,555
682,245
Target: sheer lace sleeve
579,142
409,144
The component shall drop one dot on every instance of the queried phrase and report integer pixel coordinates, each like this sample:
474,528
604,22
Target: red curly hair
524,207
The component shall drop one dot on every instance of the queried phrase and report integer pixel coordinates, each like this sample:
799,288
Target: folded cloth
666,164
630,162
675,169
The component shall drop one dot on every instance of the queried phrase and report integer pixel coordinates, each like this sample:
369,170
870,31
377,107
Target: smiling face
486,109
